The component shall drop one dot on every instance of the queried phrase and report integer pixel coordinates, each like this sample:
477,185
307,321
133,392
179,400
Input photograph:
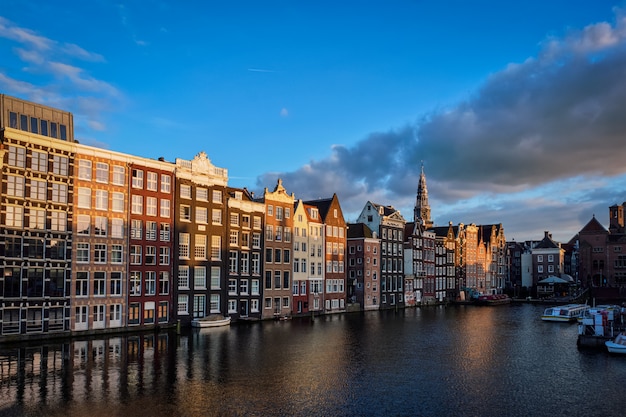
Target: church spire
421,213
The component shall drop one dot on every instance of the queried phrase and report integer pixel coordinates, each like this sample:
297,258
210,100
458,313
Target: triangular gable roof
547,243
359,230
593,226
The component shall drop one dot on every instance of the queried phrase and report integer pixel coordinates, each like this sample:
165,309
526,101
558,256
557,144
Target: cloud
59,81
528,129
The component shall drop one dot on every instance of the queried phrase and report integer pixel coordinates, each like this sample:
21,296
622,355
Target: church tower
421,213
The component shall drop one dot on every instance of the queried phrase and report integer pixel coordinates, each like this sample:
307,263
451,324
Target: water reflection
432,361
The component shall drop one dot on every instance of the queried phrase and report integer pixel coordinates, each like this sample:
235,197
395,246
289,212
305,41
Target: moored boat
493,299
564,313
617,345
211,321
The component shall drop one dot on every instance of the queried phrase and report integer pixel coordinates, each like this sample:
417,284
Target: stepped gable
357,230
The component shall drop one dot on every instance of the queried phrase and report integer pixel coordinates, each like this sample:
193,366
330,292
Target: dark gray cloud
553,117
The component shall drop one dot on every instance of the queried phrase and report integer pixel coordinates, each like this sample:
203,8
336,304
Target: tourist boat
565,313
618,345
493,299
213,320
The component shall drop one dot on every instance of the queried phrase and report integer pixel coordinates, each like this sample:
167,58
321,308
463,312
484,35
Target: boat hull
613,347
203,323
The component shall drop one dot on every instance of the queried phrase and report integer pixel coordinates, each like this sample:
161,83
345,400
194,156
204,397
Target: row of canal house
95,240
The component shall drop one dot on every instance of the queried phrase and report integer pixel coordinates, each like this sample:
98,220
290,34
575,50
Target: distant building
363,282
277,291
389,224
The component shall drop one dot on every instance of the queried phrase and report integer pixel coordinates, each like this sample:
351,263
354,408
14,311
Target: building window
164,283
199,277
200,247
116,283
117,228
82,284
102,200
99,253
117,254
37,219
185,213
151,206
117,202
136,227
215,277
151,181
183,304
164,232
119,174
59,193
164,255
101,226
99,283
185,191
60,165
15,186
165,208
183,277
102,172
150,283
150,255
137,204
38,190
216,216
135,255
82,252
151,230
217,196
84,197
215,303
216,247
166,183
183,245
202,194
202,215
39,161
58,221
17,157
135,283
137,178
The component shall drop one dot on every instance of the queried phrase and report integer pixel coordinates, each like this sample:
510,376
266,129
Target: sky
515,110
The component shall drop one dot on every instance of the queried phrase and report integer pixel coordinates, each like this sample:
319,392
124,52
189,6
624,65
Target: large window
199,277
82,284
183,245
200,247
60,165
137,204
38,190
183,277
151,283
135,283
119,174
82,252
17,157
137,180
39,161
99,283
151,183
117,254
165,208
102,200
84,197
102,172
84,170
166,183
164,283
151,206
15,186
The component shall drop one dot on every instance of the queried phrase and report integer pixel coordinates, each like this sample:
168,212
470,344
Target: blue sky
515,108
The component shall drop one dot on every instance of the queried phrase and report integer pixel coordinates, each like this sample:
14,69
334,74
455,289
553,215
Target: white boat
618,345
564,313
213,320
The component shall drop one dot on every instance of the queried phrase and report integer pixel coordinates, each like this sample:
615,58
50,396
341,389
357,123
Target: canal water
435,361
